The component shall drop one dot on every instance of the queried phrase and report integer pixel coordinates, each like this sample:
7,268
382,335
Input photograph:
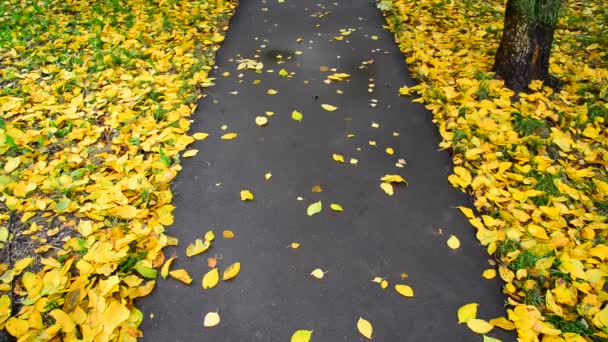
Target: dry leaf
232,271
228,234
314,208
387,187
301,336
189,153
317,273
181,275
329,107
211,278
404,290
336,207
261,120
229,136
467,312
246,195
479,326
338,157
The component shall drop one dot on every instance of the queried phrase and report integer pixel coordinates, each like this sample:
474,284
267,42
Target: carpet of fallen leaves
95,99
536,168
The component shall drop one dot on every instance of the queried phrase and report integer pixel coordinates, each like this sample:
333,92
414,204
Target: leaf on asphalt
317,273
232,271
490,273
229,136
404,290
211,278
453,242
200,136
211,319
479,326
189,153
246,195
314,208
365,328
181,275
467,312
272,92
336,207
164,272
329,107
268,175
209,236
338,157
197,247
228,234
490,339
317,188
297,116
301,336
388,188
294,245
261,120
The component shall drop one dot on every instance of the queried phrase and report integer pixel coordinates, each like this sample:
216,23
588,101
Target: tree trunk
525,47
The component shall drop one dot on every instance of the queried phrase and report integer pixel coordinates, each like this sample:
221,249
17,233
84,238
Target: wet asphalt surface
375,236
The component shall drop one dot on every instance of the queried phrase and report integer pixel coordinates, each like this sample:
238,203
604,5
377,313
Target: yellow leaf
393,179
314,208
467,312
272,92
16,327
329,107
502,323
232,271
261,120
490,273
384,284
22,264
125,212
211,319
297,115
294,245
246,195
336,207
317,188
12,163
301,336
228,234
200,136
61,318
467,212
338,157
453,242
538,232
479,325
365,328
164,271
387,187
229,136
197,247
211,279
181,275
390,151
209,236
317,273
268,175
404,290
189,153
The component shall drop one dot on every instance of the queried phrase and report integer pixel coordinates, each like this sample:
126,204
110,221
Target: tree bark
525,47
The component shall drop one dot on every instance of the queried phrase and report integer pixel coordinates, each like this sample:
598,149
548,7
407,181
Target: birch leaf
365,328
314,208
467,312
211,278
181,275
301,336
211,319
232,271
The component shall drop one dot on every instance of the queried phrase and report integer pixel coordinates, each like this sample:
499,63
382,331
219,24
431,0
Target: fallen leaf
384,284
297,116
246,195
268,175
189,153
489,273
211,262
390,151
200,136
329,107
336,207
261,120
365,328
388,188
479,326
314,208
301,336
211,319
317,273
490,339
229,136
164,272
294,245
467,312
228,234
272,92
197,247
338,157
317,188
404,290
209,236
181,275
211,279
453,242
232,271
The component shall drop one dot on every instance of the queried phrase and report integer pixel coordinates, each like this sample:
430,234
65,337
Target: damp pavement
376,235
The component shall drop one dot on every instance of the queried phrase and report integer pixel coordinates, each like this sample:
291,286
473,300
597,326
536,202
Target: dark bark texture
525,47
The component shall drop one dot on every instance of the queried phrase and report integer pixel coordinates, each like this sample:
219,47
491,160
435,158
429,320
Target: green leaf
283,73
145,271
62,205
314,208
301,336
